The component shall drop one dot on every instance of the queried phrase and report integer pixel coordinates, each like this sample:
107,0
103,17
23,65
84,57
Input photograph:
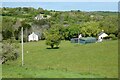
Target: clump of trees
90,29
11,27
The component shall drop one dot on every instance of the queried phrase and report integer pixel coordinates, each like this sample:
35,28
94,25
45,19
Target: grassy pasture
70,60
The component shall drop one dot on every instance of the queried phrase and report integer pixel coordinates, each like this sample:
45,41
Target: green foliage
64,31
74,30
90,29
7,27
71,22
113,36
118,35
10,50
24,12
110,24
45,16
26,30
53,37
41,11
40,22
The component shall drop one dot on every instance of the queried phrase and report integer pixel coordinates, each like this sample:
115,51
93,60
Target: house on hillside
41,16
101,36
33,37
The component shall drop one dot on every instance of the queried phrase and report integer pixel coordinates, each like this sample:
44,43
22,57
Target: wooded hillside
68,23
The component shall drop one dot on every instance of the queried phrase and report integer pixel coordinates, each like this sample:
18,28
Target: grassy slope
70,60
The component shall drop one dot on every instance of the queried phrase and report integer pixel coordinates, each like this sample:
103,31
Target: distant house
41,16
33,37
101,36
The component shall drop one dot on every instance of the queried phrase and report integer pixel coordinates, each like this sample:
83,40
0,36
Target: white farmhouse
80,36
39,17
33,37
101,36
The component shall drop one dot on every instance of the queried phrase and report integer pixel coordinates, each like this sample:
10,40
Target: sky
59,0
66,6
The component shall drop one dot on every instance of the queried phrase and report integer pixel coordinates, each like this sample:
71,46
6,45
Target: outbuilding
101,36
85,40
33,37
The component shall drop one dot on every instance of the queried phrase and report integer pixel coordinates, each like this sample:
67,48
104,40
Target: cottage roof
88,38
100,33
33,33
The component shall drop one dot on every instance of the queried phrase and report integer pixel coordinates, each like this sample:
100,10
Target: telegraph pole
22,46
78,37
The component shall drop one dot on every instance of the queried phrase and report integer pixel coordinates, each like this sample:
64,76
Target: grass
69,61
0,60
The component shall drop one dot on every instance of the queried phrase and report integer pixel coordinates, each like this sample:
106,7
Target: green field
69,61
0,60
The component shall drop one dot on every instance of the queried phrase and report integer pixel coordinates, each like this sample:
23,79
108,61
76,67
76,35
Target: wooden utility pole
22,46
78,37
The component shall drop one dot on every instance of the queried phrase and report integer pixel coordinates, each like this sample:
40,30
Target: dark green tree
8,28
53,37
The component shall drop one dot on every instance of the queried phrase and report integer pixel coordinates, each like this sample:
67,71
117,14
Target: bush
10,51
118,35
44,15
113,37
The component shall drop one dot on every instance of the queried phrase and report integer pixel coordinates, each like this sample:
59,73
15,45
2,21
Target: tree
26,29
90,29
74,30
41,10
53,37
7,27
110,24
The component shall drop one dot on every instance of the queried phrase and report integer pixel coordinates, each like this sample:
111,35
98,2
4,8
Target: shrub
112,36
10,51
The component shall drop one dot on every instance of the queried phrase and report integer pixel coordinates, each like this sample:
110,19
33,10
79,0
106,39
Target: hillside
70,22
70,60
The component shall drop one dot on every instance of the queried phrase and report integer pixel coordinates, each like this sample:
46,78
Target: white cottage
33,37
101,36
39,17
80,36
